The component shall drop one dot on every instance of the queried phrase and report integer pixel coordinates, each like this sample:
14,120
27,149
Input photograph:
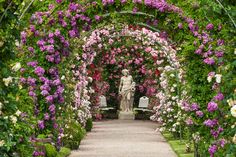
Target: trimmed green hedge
64,152
89,125
50,150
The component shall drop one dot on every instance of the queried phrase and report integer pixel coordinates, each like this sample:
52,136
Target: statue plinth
126,115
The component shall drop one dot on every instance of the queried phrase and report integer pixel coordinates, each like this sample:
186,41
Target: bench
143,105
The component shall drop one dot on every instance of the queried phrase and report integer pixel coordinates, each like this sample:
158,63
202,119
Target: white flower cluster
7,80
84,114
1,105
16,67
233,111
232,104
168,112
216,76
2,142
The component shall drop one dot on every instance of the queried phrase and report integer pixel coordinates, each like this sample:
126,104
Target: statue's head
125,72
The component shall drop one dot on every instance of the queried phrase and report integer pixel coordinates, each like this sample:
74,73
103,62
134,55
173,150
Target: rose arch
60,45
146,46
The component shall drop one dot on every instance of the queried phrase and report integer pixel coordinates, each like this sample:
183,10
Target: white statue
126,90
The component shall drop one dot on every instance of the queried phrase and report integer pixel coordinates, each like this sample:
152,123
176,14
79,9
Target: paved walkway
127,138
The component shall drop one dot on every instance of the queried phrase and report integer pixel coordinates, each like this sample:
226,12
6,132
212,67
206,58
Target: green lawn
177,145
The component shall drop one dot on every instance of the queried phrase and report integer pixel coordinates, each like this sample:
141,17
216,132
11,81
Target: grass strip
178,146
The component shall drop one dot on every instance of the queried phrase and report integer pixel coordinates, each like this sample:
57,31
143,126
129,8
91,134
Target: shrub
24,150
110,114
89,125
74,134
64,152
50,150
142,115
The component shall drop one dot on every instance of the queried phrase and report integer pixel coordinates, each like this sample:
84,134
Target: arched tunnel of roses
132,48
76,43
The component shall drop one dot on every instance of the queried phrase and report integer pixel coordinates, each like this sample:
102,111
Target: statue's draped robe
126,94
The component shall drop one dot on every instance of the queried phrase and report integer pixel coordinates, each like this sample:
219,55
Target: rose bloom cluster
168,112
51,47
94,44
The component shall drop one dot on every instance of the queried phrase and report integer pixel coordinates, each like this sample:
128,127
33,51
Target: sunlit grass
179,146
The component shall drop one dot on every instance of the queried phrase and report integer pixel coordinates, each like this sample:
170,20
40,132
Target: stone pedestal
126,115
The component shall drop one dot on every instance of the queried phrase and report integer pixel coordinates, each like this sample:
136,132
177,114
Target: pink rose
148,49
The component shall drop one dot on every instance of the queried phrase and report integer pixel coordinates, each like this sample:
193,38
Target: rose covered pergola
62,43
144,48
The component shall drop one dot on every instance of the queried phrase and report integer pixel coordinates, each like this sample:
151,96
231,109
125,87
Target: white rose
159,62
172,75
16,67
162,129
172,89
174,98
209,78
231,102
20,86
85,91
13,119
2,142
234,139
85,83
91,90
7,81
184,92
159,119
63,77
17,43
233,111
218,78
18,113
90,79
1,43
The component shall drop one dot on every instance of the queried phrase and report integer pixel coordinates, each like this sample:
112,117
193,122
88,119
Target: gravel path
124,138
